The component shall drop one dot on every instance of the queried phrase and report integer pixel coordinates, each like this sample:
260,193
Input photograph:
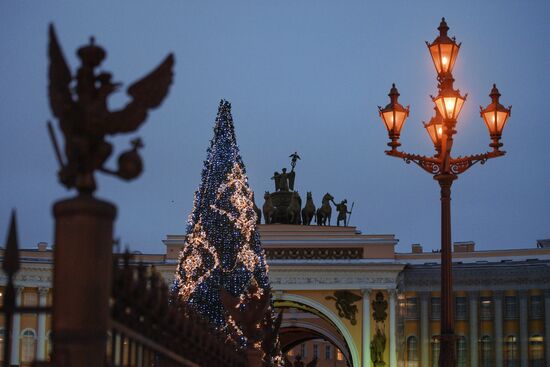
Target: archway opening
310,338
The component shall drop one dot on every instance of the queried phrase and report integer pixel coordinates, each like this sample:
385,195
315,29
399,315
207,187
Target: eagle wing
59,78
146,94
347,295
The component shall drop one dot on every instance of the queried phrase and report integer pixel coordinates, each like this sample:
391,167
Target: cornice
498,276
325,279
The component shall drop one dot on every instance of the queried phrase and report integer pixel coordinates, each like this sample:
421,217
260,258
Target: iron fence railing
145,329
10,307
149,329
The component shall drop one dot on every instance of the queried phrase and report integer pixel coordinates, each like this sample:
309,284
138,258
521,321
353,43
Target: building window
486,308
511,351
535,309
328,352
412,352
29,299
536,351
435,351
461,352
510,307
339,355
412,308
303,350
315,350
436,308
486,351
461,308
28,345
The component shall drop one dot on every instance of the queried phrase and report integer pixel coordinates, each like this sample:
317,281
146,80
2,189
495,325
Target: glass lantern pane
399,120
490,120
502,116
459,103
388,119
450,106
440,106
434,52
446,50
454,56
432,131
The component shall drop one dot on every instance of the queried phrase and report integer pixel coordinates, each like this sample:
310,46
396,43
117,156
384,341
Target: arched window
435,351
412,352
486,351
2,335
536,351
461,351
28,345
511,351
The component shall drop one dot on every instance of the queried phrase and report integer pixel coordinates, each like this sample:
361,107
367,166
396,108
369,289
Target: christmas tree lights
222,248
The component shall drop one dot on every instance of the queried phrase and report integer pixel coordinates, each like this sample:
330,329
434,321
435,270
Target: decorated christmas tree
222,259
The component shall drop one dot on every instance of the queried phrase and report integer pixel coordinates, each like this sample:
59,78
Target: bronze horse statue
293,210
309,210
268,208
325,211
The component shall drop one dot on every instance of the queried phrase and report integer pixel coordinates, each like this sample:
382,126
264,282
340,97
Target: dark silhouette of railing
10,266
146,327
150,329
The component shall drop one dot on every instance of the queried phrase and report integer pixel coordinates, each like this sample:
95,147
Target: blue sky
302,76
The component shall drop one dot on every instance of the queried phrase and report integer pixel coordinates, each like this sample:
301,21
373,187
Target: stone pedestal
82,280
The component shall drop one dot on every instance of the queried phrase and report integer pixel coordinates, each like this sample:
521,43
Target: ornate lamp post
444,167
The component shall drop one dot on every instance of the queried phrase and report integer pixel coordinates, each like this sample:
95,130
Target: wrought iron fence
149,329
146,328
10,307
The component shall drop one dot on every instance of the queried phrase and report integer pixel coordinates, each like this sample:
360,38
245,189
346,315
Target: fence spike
11,255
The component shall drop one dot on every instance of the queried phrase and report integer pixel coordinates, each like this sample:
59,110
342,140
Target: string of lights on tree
222,248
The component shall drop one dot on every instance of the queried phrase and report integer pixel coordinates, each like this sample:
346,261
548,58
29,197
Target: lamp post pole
444,168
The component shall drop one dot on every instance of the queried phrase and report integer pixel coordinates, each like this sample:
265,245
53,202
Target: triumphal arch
334,284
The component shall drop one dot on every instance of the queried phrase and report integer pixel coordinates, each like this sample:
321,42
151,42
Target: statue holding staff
342,210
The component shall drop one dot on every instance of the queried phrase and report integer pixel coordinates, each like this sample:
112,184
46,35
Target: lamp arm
461,164
431,165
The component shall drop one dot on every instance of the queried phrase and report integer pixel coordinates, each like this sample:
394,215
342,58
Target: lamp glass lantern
495,115
449,102
444,50
435,129
394,114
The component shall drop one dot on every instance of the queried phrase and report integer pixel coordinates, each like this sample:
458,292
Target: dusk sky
303,76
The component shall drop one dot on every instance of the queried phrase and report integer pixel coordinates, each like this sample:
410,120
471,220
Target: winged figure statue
345,304
79,102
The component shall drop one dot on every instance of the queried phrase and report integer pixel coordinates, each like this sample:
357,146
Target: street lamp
445,168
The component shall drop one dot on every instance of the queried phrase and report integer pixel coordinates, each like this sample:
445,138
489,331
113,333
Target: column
41,331
547,325
424,329
523,329
80,317
473,300
393,335
16,329
366,328
499,341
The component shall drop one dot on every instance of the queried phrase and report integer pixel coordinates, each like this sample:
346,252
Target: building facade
349,299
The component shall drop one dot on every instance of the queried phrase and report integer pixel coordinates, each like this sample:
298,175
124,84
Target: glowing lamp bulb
445,61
